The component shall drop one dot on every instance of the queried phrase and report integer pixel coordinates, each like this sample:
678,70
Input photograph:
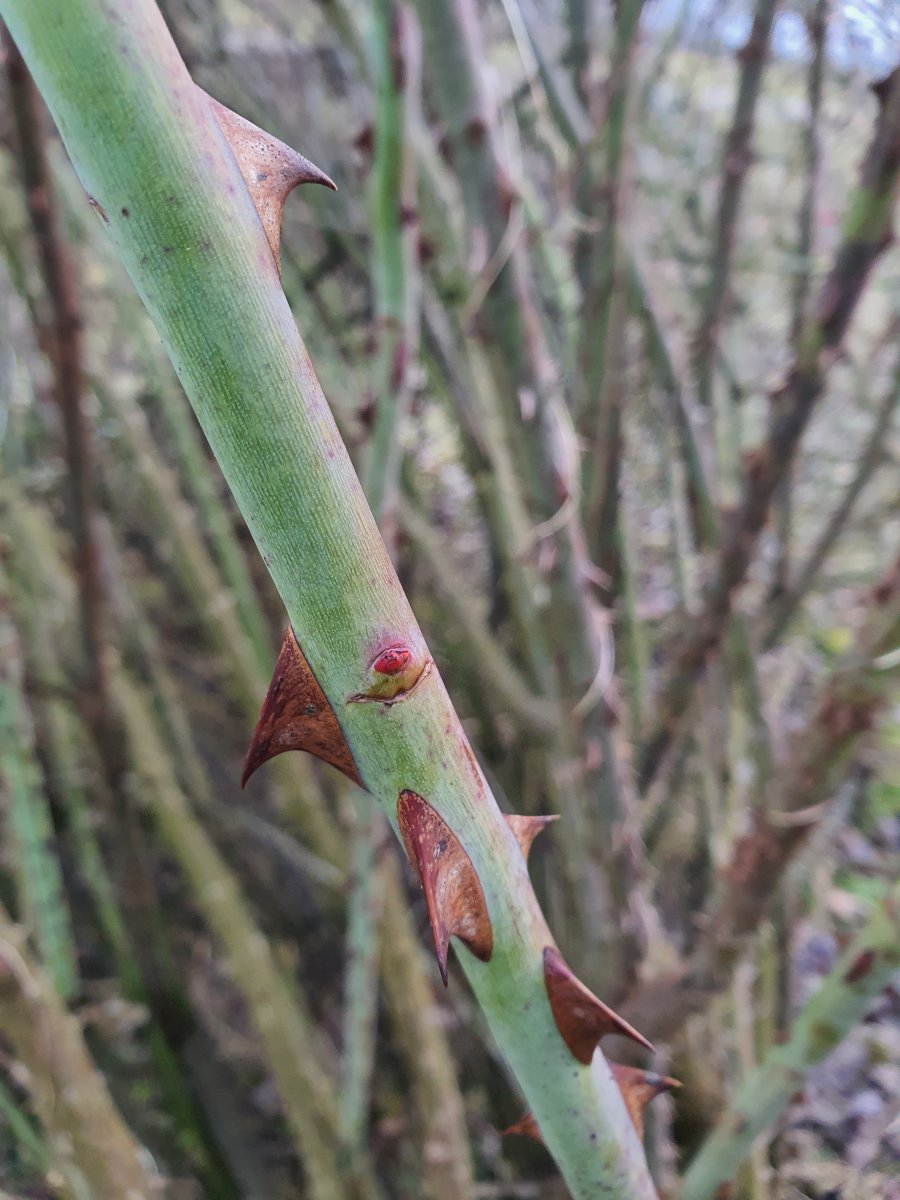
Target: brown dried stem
736,158
867,233
847,709
817,25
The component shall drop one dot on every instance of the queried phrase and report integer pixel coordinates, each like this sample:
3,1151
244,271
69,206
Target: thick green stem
149,150
396,55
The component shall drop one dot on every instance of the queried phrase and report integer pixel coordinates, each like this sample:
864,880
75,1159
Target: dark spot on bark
167,249
125,212
98,209
476,131
861,966
824,1037
365,140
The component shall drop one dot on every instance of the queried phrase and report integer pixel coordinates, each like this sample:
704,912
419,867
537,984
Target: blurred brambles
560,240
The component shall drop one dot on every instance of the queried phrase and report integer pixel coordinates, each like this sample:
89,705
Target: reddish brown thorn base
526,829
453,892
638,1088
527,1127
392,661
271,170
296,716
580,1017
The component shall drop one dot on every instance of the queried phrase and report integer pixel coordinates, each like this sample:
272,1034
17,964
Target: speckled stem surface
154,161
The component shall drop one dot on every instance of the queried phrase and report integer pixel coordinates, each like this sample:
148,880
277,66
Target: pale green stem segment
361,999
69,1095
150,152
396,55
866,967
39,884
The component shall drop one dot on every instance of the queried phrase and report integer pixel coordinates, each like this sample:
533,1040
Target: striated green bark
149,151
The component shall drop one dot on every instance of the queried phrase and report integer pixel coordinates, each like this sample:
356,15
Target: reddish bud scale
392,661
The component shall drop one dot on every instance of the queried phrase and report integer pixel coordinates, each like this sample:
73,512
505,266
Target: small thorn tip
527,1126
638,1088
525,829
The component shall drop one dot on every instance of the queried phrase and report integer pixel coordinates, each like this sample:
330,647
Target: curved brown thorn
296,716
580,1017
271,170
526,1127
638,1088
453,892
526,829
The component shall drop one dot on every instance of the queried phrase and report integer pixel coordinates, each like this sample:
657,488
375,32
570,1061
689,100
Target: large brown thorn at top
296,716
580,1017
453,892
638,1088
271,170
